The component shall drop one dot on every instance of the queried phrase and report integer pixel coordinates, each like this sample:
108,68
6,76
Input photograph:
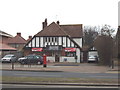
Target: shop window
70,54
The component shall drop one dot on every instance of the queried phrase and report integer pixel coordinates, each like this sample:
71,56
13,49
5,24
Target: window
36,57
17,45
70,54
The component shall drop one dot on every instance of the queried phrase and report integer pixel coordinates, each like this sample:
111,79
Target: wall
78,54
51,58
78,41
69,59
43,41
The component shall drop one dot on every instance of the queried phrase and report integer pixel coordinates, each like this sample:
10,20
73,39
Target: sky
26,16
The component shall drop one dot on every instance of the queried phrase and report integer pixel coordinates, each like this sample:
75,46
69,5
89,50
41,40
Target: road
52,86
60,74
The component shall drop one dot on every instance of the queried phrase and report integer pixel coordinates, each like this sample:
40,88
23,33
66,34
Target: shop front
58,53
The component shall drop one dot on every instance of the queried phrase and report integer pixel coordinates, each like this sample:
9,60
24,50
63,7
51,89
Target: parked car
9,58
92,58
31,59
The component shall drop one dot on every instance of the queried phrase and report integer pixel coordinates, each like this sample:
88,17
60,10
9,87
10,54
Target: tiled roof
52,30
62,30
17,39
6,47
2,33
74,30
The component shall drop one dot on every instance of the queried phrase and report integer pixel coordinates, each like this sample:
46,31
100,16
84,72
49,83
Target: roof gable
52,30
17,39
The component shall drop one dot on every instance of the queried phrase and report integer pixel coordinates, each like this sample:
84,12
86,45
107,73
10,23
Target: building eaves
2,33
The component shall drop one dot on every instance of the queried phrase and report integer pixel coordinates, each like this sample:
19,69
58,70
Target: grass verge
56,80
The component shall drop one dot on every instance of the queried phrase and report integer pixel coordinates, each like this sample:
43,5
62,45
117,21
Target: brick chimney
58,22
19,34
29,37
44,23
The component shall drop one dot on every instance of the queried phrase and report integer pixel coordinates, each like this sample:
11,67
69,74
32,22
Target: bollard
112,66
44,61
12,65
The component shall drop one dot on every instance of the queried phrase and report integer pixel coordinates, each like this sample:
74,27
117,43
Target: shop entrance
54,52
57,58
56,55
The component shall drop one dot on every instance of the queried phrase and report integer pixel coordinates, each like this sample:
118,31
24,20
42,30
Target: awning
70,49
37,49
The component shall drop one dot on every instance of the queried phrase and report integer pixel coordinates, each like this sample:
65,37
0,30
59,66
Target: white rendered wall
78,55
33,42
37,41
64,41
60,40
78,41
69,59
68,42
51,58
41,41
29,45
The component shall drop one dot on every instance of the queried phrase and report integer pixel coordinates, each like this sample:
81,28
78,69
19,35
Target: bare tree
107,30
90,33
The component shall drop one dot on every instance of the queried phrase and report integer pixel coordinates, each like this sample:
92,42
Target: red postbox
44,61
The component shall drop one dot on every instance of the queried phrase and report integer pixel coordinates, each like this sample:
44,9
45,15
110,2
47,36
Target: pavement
62,67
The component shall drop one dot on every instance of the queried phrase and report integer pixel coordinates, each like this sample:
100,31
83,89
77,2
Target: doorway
57,58
85,57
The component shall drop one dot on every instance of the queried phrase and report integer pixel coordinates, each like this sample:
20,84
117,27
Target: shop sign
37,49
70,49
53,47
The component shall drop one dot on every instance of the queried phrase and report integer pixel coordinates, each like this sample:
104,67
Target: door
85,57
57,58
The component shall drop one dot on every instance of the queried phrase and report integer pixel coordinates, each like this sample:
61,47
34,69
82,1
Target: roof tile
62,30
74,30
17,39
52,30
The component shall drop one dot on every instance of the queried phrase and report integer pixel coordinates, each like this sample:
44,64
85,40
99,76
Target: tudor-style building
59,42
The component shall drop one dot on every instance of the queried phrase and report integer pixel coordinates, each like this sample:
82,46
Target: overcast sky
26,16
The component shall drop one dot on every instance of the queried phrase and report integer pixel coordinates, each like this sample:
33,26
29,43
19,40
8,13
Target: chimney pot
58,22
30,37
19,34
